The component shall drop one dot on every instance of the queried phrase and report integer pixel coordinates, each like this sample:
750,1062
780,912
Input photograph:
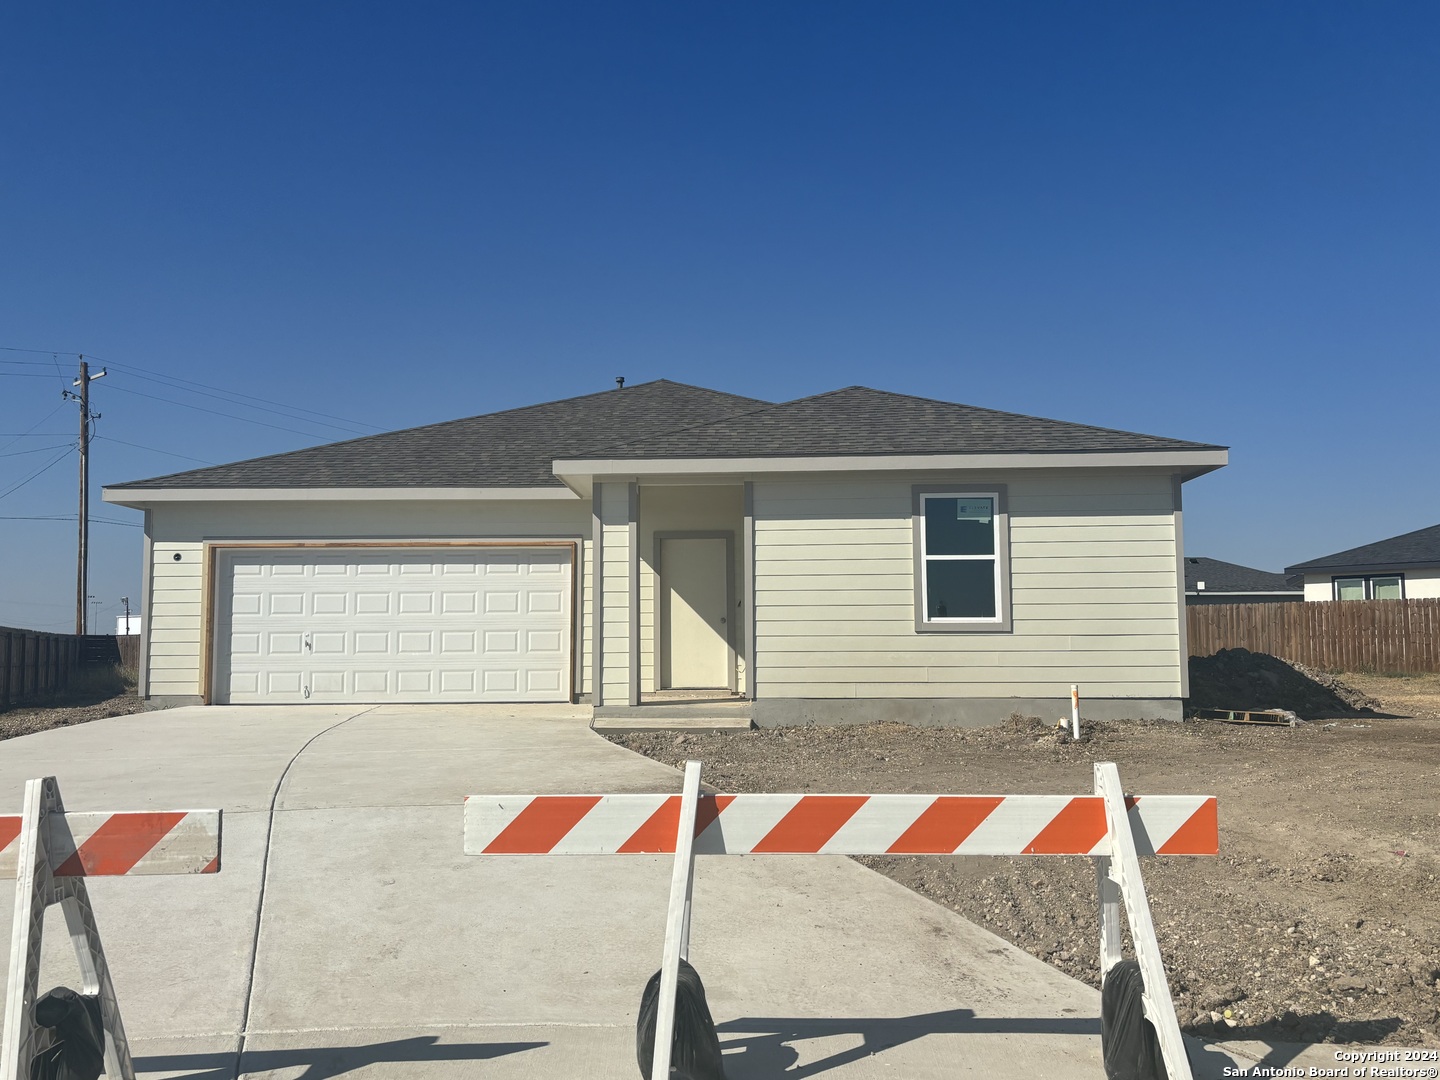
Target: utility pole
82,568
126,601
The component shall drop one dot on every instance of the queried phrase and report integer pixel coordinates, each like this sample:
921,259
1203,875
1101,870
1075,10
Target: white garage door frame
215,550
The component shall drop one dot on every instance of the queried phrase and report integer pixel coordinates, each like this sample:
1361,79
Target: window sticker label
973,510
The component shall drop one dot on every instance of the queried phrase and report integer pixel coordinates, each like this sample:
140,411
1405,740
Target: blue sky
1210,221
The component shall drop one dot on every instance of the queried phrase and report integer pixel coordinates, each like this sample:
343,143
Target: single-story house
1405,567
1211,581
850,556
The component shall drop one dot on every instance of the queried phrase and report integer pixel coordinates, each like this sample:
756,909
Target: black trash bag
695,1053
1128,1041
78,1052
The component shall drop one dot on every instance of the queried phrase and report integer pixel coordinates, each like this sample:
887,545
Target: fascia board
1343,569
143,497
1191,462
1244,592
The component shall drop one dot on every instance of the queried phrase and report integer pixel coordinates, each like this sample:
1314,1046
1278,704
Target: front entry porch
670,574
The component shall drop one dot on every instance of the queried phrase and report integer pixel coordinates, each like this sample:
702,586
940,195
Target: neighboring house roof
1412,549
655,420
514,448
1225,577
860,421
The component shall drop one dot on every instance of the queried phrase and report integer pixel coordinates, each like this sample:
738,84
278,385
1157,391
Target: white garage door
393,625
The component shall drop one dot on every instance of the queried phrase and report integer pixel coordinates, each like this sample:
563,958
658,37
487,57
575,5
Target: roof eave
580,473
141,498
1360,568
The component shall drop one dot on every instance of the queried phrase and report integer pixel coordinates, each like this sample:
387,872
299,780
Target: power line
174,382
351,429
235,393
217,412
32,428
26,363
152,449
69,517
37,450
38,473
27,375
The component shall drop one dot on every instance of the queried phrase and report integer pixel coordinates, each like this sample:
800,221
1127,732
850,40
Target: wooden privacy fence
34,663
129,645
1400,636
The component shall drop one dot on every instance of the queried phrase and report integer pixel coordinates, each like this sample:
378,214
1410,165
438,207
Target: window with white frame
1370,587
960,546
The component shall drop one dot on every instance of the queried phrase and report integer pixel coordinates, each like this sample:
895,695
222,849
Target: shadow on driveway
765,1050
322,1062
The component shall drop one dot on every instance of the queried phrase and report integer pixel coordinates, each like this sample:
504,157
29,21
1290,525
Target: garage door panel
372,603
376,625
372,682
330,603
502,602
286,603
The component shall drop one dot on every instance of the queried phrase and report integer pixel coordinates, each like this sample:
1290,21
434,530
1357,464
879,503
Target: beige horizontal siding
1093,587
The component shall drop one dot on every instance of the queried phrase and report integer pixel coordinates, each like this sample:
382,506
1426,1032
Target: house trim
747,595
1005,623
1182,620
597,603
147,597
139,498
633,522
1192,463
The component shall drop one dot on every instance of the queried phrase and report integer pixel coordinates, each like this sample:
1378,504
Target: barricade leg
36,888
1108,890
1124,869
677,921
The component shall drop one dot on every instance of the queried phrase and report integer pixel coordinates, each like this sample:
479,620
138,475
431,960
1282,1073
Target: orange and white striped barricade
51,853
1109,826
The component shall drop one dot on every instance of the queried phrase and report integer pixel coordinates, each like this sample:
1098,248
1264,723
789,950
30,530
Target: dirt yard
93,695
1319,921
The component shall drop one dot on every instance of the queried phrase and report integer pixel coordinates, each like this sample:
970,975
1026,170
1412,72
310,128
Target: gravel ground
1320,920
104,696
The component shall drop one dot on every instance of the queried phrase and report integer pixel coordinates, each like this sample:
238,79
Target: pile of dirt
1241,679
1319,920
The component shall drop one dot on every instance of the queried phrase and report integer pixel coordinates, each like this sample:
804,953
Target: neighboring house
1401,568
851,556
1210,581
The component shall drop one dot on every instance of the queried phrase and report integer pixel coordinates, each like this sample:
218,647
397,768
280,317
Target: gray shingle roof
859,420
1225,577
518,447
1418,548
515,448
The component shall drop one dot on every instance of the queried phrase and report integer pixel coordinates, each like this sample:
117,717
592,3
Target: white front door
370,624
694,614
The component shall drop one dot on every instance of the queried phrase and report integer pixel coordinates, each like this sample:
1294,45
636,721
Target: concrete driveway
348,936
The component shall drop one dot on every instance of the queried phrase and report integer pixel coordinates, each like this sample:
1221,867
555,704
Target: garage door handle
307,643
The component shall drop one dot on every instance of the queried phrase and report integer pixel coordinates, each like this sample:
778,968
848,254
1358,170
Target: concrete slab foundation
954,712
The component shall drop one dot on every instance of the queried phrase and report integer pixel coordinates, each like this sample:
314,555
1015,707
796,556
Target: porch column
747,588
617,571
